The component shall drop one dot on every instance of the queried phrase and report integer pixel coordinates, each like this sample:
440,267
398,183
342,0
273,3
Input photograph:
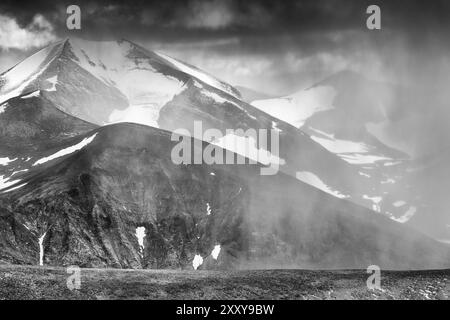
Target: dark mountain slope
86,208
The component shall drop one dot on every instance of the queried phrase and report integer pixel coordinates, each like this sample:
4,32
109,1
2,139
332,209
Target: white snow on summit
196,73
24,73
146,90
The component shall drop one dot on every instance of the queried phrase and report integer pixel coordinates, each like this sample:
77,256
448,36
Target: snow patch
208,209
408,215
376,202
311,179
5,161
391,163
388,181
351,151
297,108
362,159
66,151
3,108
41,249
5,183
140,235
33,94
246,146
399,203
216,251
53,80
364,174
146,89
196,73
197,262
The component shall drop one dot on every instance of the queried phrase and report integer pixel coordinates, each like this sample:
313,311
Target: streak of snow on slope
197,262
391,163
218,98
349,151
399,203
315,181
19,171
5,183
364,174
216,251
66,151
33,94
356,158
41,249
297,108
341,146
140,235
3,108
246,146
408,215
196,73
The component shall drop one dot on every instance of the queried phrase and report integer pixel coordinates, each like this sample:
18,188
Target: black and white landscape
87,178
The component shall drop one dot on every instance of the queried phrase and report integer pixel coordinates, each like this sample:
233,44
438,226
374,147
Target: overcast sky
277,47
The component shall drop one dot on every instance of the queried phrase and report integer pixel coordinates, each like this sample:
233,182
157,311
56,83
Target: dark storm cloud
291,43
193,19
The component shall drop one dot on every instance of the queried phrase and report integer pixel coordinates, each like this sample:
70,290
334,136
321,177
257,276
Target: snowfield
247,147
196,73
22,75
66,151
311,179
146,90
297,108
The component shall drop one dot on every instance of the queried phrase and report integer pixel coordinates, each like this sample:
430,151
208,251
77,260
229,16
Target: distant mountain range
368,124
80,184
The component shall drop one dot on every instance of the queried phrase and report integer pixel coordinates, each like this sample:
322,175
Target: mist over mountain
78,180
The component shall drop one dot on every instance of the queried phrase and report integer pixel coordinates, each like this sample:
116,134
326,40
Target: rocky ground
29,282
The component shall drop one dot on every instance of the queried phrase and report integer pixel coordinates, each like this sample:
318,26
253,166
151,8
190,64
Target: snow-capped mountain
131,83
73,86
110,82
336,113
354,118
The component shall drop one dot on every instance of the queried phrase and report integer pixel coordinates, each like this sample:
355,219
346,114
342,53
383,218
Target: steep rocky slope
85,208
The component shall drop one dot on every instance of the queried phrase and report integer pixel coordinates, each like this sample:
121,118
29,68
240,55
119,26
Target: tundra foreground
25,282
